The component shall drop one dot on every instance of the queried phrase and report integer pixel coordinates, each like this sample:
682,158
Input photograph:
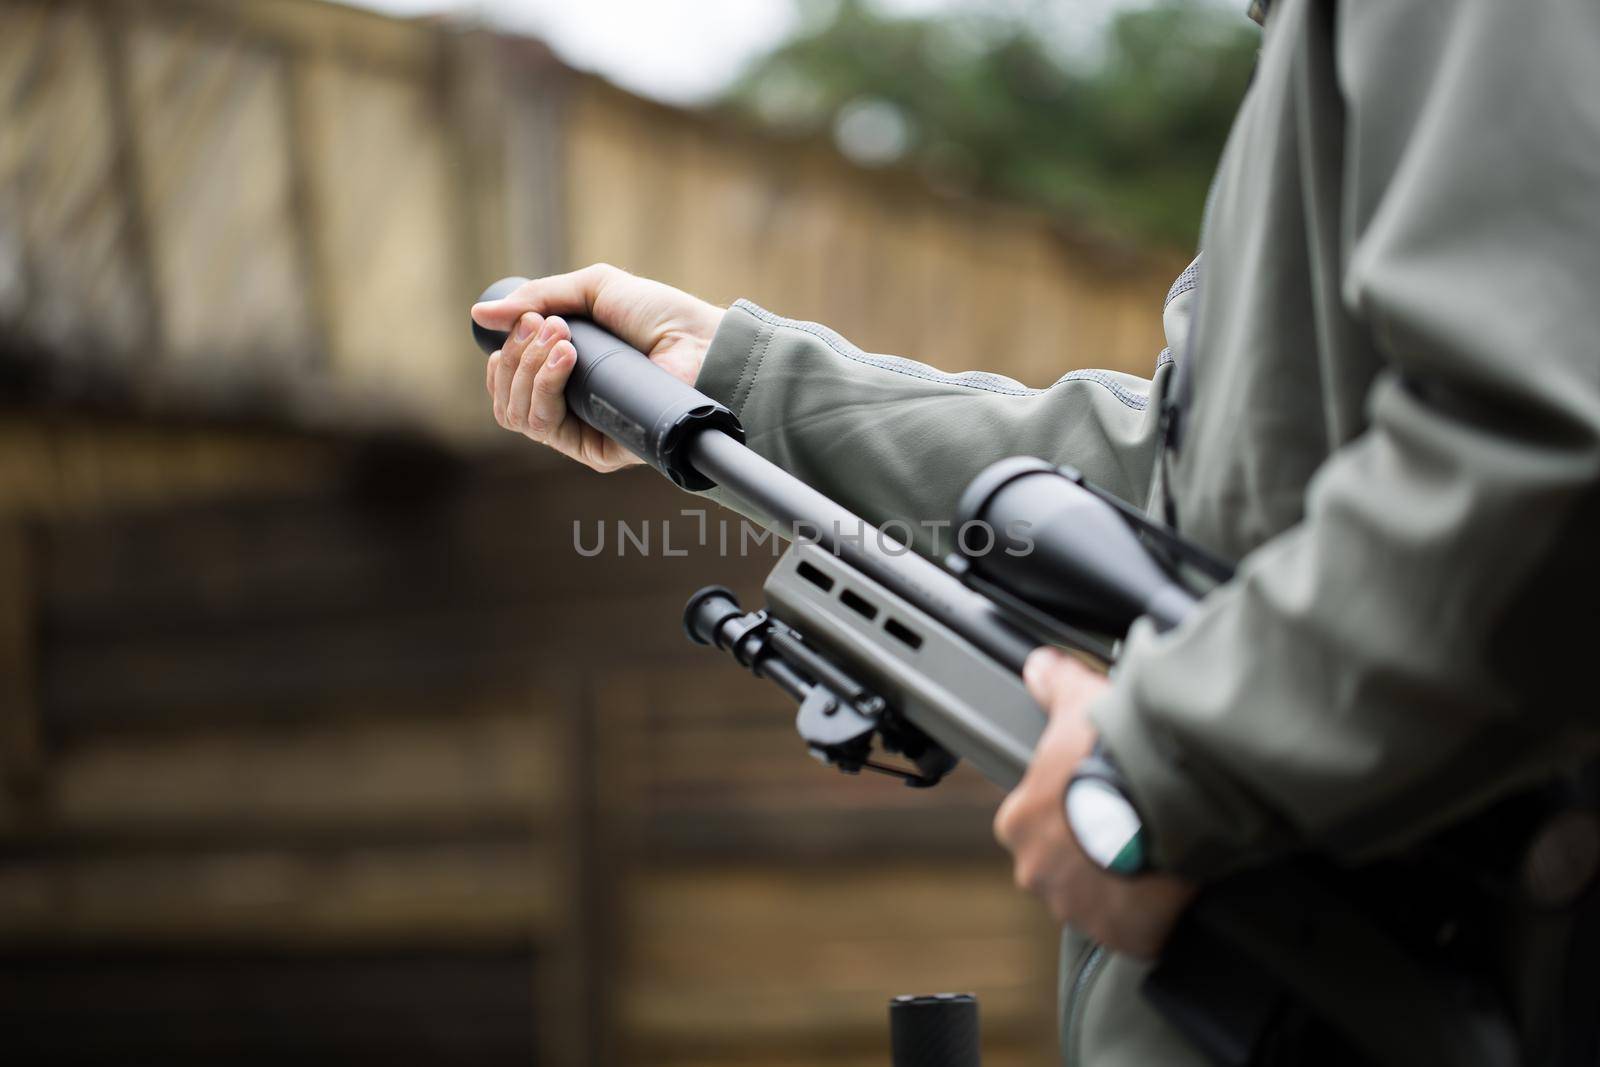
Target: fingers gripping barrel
616,389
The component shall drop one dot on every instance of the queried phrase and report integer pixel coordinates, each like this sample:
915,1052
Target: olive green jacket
1388,410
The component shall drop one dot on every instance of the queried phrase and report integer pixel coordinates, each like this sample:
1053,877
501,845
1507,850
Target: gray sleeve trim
1185,282
992,383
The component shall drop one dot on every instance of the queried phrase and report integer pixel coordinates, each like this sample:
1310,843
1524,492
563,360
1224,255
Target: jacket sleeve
1420,643
895,440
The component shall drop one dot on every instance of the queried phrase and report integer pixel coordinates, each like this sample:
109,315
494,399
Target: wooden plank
261,1007
782,838
282,674
381,166
538,231
875,255
726,956
59,467
700,760
582,964
357,37
21,757
481,536
353,895
211,148
63,176
498,768
277,601
389,141
305,210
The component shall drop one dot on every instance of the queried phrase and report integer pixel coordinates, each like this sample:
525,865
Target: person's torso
1272,378
1275,371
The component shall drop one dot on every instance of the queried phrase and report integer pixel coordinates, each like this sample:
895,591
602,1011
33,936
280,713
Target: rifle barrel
795,509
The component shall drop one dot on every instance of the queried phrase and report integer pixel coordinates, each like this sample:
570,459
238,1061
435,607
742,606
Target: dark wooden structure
376,764
318,739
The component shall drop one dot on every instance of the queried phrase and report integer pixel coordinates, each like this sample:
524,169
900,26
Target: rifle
877,643
888,652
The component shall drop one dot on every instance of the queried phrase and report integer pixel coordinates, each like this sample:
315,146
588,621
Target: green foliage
1125,132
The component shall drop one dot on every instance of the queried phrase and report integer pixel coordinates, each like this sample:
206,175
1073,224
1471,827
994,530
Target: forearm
897,440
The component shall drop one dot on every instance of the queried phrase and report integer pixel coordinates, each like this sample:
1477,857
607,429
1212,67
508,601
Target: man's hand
527,378
1128,915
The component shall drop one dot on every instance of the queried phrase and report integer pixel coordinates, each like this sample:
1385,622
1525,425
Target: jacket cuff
726,375
730,365
1186,831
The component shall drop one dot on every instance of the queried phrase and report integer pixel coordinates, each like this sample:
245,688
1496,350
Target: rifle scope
1068,549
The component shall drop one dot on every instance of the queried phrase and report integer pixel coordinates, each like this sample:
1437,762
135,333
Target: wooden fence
315,733
285,206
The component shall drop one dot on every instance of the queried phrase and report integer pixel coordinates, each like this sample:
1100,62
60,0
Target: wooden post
305,209
579,970
539,96
114,29
20,751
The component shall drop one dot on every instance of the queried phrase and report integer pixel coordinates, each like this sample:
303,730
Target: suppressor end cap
491,341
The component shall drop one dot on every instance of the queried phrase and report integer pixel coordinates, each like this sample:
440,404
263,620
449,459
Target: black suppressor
936,1031
619,392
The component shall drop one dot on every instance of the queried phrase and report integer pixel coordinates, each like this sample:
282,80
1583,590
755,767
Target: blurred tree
1125,129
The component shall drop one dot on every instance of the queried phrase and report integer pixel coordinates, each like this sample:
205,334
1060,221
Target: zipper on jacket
1169,442
1090,964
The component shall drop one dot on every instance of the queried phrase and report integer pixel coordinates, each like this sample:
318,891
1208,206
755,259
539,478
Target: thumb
559,294
499,314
